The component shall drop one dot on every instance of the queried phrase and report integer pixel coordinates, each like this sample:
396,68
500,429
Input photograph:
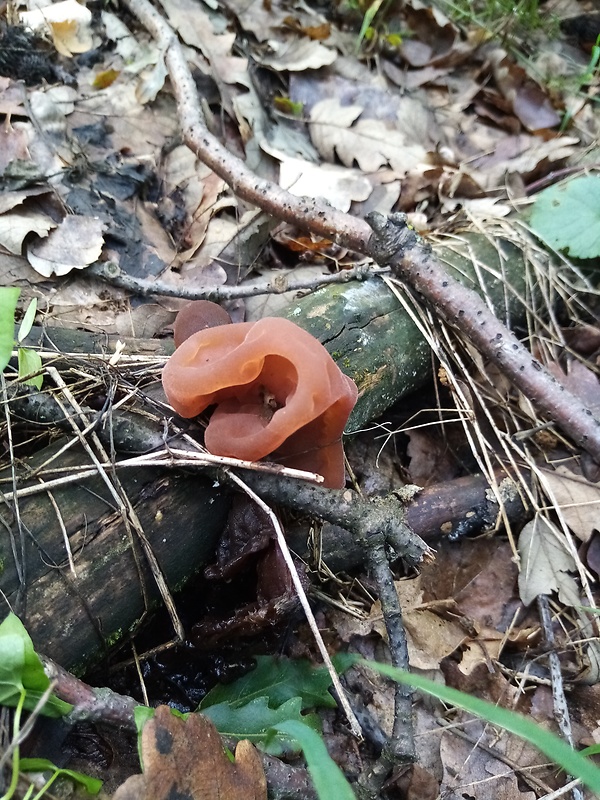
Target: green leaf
27,321
141,715
254,720
30,361
550,745
592,750
9,296
91,785
567,216
21,671
327,777
279,679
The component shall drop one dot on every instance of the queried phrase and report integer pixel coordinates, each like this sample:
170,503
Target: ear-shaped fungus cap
276,389
196,316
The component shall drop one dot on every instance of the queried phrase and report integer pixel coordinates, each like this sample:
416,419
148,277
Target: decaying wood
370,335
453,509
74,618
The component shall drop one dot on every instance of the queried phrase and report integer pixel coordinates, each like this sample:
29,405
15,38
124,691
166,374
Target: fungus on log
277,393
196,316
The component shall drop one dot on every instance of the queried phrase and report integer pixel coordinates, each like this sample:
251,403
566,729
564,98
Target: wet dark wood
75,618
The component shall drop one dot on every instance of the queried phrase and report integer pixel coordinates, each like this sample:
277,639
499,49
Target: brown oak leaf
185,759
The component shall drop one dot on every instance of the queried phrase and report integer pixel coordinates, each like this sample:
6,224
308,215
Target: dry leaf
545,563
136,55
370,143
521,154
197,30
12,95
486,777
433,38
528,101
431,636
578,500
105,78
68,22
14,141
185,759
340,186
258,17
298,54
10,200
484,650
151,82
74,244
16,225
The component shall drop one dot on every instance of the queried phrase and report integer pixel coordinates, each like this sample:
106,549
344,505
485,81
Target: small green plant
265,699
591,71
328,778
267,707
368,32
368,18
502,15
567,216
91,785
588,76
28,360
25,686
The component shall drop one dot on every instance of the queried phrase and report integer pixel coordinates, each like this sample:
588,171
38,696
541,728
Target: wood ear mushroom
196,316
277,393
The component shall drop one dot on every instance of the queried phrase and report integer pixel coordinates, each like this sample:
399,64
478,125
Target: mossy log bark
374,340
74,617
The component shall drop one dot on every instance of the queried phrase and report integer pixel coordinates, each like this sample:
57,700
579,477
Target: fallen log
74,614
75,617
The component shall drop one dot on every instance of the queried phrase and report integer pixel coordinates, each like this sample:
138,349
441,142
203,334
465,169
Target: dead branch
412,261
396,244
113,274
381,517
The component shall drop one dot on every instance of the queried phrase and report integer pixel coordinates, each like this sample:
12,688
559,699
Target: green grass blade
8,303
327,777
550,745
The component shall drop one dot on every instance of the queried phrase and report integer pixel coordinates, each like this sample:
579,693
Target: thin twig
164,458
287,557
561,709
113,274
